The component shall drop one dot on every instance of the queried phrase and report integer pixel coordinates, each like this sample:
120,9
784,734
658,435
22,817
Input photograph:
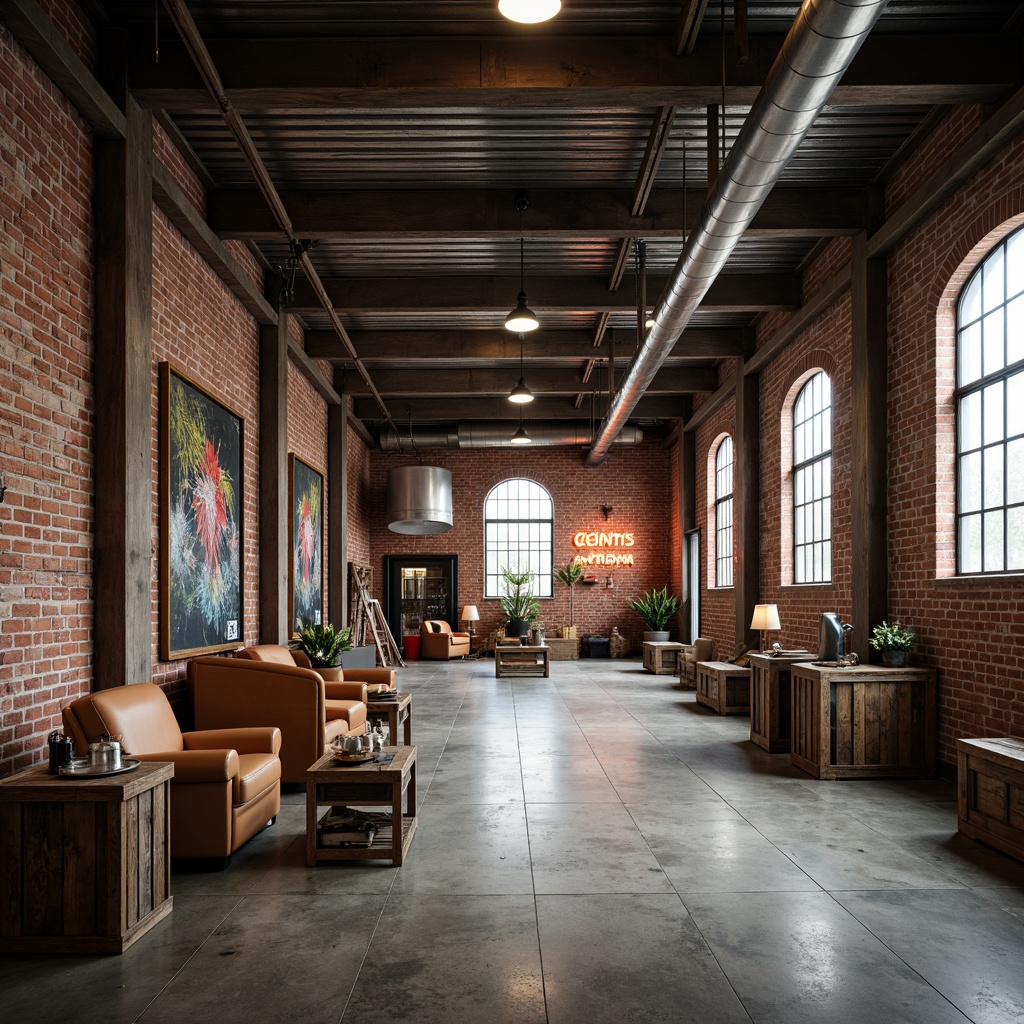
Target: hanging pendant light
521,394
521,319
529,12
521,436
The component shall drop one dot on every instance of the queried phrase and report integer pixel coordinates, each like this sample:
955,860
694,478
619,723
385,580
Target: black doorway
418,587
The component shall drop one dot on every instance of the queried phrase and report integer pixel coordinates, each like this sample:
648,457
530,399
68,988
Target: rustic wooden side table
990,797
723,687
662,657
86,862
397,712
517,660
770,699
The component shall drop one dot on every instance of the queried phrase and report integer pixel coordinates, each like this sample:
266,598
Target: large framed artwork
306,500
200,520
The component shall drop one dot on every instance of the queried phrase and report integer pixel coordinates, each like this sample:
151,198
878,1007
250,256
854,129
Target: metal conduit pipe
496,435
822,42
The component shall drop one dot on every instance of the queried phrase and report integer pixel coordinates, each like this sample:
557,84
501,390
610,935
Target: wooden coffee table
330,782
517,660
397,712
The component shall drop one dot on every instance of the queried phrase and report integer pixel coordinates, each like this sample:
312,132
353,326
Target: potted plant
894,641
518,604
570,575
656,608
323,645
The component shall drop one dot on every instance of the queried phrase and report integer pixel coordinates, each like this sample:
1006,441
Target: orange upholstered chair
440,643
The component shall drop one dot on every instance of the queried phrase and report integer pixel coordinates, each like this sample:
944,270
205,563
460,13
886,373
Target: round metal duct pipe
822,42
419,500
497,434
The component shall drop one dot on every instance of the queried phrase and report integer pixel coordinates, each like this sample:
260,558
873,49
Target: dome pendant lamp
521,319
521,436
529,12
521,394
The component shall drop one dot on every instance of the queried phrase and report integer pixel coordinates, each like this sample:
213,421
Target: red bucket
411,646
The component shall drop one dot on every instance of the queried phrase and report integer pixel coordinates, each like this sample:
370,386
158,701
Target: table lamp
470,615
766,616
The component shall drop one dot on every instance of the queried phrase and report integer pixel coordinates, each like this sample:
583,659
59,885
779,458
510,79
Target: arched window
723,513
812,481
990,413
518,529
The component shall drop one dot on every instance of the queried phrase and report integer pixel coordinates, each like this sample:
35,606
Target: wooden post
713,144
869,416
275,540
746,504
337,505
123,384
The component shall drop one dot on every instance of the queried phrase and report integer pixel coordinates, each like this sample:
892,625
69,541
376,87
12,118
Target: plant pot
518,627
656,636
894,659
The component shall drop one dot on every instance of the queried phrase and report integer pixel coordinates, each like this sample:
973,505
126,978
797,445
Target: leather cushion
256,772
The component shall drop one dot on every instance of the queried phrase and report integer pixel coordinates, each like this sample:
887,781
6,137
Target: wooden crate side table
563,648
862,722
513,660
84,863
723,687
990,792
662,657
330,783
395,712
770,700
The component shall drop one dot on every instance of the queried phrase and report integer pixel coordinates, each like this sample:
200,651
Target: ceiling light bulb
529,12
521,437
521,394
521,319
650,321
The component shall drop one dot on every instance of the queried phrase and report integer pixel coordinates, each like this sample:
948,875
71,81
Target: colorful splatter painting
306,493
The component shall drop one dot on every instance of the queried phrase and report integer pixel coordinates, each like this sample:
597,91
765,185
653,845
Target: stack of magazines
385,695
346,826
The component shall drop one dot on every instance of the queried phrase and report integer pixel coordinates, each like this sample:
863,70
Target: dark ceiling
398,134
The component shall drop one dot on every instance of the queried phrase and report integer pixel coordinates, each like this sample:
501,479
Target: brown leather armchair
376,679
440,643
309,711
227,782
702,649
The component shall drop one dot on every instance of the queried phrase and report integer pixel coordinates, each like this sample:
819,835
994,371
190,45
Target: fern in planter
323,645
656,608
570,575
518,604
892,640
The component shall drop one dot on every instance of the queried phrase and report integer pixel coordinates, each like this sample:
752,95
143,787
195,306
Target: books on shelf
346,826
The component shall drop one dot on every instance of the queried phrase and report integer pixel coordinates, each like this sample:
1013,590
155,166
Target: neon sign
601,539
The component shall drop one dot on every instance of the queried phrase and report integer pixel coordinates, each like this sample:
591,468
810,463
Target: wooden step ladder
370,616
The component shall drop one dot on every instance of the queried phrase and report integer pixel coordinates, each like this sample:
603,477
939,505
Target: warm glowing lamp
470,615
766,616
529,12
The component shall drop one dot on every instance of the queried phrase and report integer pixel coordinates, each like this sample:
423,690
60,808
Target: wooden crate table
396,712
329,782
563,648
990,792
84,862
512,660
723,687
865,721
662,657
770,693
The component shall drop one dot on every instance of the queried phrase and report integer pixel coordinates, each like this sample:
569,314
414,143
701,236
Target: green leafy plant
518,601
656,608
323,644
570,575
892,636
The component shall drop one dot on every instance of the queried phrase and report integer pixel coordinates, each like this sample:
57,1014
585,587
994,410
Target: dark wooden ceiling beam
498,382
267,74
380,347
554,213
691,17
734,292
450,410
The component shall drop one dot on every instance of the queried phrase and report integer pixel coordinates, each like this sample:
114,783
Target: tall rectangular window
723,514
812,481
518,531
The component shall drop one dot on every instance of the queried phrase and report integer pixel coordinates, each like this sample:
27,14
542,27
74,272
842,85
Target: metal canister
105,754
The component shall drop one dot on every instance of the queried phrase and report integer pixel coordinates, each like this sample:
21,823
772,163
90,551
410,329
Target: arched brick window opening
719,512
518,528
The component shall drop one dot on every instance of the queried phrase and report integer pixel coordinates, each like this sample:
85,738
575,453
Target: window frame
809,413
724,529
540,531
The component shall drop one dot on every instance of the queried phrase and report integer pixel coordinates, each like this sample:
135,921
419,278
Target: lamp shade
469,614
521,318
529,12
766,616
521,436
521,394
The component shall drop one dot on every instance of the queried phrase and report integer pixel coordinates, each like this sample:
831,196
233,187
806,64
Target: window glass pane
826,477
1015,329
1015,539
1015,471
992,413
969,355
992,343
993,541
970,482
970,421
993,476
970,544
1015,405
992,293
1015,264
970,301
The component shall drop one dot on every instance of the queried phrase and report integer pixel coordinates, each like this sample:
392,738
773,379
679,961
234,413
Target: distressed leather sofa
439,643
227,782
309,711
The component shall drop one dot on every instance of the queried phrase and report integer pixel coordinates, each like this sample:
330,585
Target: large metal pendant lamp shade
419,500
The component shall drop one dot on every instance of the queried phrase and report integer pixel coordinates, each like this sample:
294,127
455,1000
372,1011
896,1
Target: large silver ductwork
824,39
419,500
497,434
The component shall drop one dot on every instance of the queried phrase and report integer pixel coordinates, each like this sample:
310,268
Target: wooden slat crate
990,797
563,649
723,687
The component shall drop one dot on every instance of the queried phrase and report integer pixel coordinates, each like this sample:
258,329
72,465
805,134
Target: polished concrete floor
592,847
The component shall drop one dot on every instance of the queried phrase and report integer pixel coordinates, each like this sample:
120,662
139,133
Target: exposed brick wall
73,24
360,501
635,482
46,414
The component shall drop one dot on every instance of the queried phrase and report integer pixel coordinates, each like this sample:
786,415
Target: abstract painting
305,498
200,520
